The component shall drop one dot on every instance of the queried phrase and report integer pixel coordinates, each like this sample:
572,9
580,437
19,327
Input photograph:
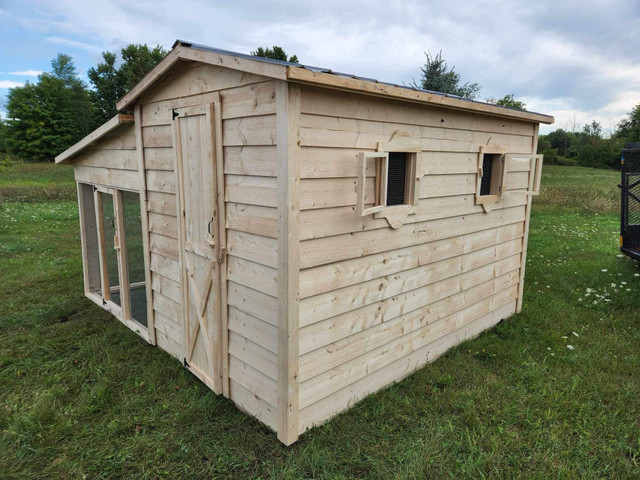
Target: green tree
108,87
629,128
47,117
3,135
137,61
438,77
276,53
545,148
508,101
111,82
64,69
561,140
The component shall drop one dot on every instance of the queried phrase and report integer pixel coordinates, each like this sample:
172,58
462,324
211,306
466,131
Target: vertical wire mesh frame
630,201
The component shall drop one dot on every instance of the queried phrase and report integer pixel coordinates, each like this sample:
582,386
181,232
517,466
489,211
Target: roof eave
185,51
73,151
305,76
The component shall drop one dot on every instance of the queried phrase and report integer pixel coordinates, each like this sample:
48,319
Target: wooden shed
300,238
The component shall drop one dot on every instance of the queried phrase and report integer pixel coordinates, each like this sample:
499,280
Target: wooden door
199,242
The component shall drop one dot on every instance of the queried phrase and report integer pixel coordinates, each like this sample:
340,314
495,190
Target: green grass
35,182
83,397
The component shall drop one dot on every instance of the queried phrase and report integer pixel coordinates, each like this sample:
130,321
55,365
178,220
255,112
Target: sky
576,60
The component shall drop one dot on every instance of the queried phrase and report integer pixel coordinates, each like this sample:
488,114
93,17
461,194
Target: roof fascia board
154,75
193,54
93,137
302,75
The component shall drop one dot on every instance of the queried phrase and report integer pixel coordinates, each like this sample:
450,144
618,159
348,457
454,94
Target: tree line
47,117
590,146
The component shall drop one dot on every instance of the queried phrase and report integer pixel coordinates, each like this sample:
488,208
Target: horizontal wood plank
165,225
324,278
250,160
253,380
251,190
252,275
254,219
127,179
330,405
359,244
252,247
250,131
253,302
254,329
327,102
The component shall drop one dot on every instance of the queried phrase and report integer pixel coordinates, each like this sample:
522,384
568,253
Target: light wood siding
111,162
378,303
249,129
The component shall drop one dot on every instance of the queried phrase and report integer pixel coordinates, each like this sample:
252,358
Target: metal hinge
174,114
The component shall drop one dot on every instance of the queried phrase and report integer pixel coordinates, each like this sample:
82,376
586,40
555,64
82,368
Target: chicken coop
299,238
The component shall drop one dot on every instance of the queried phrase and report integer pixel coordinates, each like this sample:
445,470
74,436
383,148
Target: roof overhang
314,76
91,139
302,75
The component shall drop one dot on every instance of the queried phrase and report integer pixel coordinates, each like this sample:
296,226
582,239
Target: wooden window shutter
379,200
535,172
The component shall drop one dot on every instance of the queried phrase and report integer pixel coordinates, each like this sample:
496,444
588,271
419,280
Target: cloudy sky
575,60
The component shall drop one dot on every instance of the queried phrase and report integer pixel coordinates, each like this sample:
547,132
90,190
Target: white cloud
73,43
27,73
10,84
572,59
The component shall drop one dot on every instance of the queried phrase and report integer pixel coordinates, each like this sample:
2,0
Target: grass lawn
550,393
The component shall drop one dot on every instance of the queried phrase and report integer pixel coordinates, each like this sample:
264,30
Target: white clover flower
570,347
604,270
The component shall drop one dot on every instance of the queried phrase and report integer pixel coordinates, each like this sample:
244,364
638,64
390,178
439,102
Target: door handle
211,240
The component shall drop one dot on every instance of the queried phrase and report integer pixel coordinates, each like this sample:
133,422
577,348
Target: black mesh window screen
630,221
397,178
487,171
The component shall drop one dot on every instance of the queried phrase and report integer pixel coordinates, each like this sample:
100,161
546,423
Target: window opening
397,179
491,182
135,256
110,248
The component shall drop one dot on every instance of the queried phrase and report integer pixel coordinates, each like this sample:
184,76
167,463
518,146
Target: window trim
395,215
488,201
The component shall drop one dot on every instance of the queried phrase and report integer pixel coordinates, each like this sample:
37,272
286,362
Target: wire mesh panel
630,201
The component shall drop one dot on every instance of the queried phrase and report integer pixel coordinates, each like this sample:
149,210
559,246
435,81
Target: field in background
550,393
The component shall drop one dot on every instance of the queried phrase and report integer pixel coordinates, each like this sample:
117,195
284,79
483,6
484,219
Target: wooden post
121,249
102,255
222,241
144,217
525,239
288,147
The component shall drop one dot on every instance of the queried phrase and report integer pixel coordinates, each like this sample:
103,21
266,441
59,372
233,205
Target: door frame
213,113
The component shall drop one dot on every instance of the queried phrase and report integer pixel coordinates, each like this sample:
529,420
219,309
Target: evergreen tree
111,83
438,77
508,101
137,61
276,53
